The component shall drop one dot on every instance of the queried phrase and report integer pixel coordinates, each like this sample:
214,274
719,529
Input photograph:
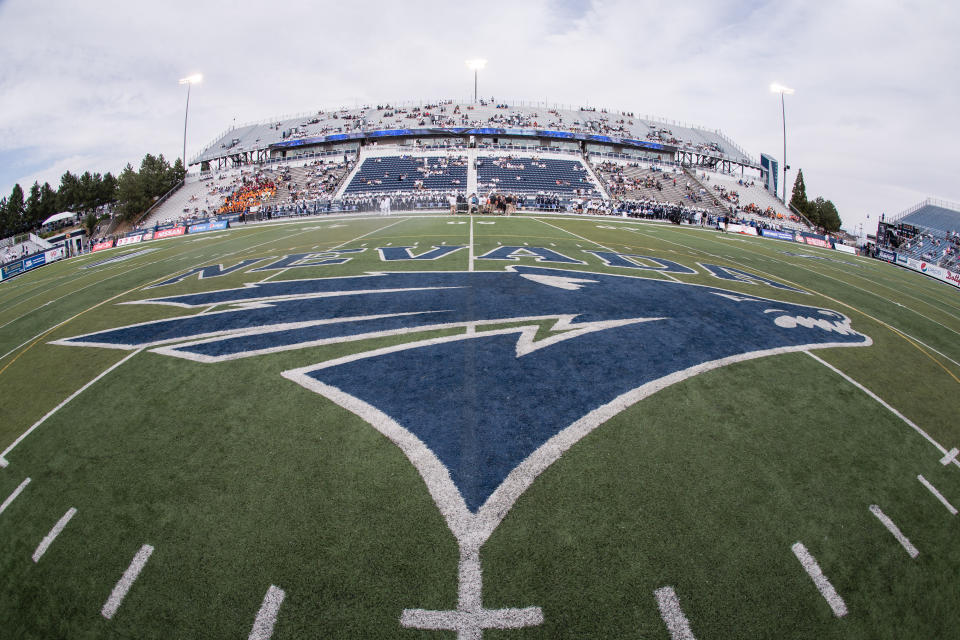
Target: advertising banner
741,228
779,235
168,233
129,240
33,261
904,260
148,236
816,241
100,246
885,254
208,226
953,278
845,248
53,255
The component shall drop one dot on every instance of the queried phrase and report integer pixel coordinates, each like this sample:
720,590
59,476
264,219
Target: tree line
127,195
822,213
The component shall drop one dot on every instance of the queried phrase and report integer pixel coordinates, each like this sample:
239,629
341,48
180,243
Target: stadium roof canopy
57,217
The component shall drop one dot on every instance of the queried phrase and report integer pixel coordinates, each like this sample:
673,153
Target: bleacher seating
937,237
637,181
388,174
533,175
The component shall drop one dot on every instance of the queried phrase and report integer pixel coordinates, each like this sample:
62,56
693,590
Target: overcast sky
92,85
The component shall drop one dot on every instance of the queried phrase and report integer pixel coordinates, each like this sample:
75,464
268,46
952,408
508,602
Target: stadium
477,368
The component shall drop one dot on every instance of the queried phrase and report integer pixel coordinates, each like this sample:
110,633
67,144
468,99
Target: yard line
3,456
940,497
50,537
267,616
895,530
126,581
470,257
907,420
12,496
823,585
672,614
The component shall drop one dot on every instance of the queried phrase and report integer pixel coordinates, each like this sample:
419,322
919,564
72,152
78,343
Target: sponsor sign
845,248
168,233
902,259
54,254
208,226
817,241
885,254
148,236
779,235
953,278
741,228
13,269
100,246
33,261
129,240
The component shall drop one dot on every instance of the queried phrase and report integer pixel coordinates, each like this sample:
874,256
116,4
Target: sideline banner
741,228
100,246
129,240
778,235
208,226
816,240
168,233
845,248
885,254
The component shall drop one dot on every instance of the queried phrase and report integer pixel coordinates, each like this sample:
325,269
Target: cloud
870,123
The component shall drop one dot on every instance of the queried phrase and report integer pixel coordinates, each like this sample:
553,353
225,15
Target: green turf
241,479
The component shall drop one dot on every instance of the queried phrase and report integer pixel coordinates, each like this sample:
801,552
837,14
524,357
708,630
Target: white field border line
13,496
671,277
3,456
470,251
473,530
895,530
50,537
126,581
267,615
672,614
793,284
939,496
905,419
822,583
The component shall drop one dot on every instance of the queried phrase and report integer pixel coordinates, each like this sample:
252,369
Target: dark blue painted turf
473,402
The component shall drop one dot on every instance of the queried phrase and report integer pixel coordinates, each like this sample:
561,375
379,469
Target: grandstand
927,231
452,124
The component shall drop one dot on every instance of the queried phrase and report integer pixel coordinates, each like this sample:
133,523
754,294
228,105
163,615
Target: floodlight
475,64
779,88
194,79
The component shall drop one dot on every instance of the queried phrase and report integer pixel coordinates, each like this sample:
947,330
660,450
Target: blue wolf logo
481,413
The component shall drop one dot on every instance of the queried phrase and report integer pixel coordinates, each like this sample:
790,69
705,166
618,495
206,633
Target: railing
156,204
800,215
934,202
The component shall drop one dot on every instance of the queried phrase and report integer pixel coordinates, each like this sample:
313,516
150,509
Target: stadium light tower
779,88
189,81
476,64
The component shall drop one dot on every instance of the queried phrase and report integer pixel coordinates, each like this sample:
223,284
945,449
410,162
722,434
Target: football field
428,426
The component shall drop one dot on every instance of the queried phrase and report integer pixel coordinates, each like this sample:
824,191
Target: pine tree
799,197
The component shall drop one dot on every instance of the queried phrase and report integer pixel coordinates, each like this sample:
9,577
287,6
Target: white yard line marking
126,581
12,496
50,537
823,585
3,456
907,420
470,256
950,457
939,496
895,530
267,616
672,614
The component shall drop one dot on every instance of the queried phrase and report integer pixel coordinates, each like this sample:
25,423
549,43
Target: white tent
57,217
